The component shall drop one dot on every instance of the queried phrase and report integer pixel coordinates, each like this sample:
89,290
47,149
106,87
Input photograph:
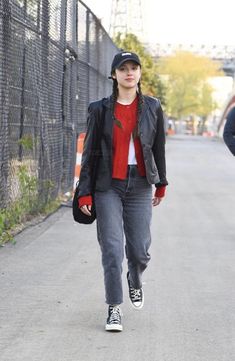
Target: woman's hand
156,201
86,210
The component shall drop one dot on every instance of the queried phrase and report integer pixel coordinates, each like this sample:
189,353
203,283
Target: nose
129,70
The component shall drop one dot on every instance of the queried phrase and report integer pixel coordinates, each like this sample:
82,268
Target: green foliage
206,102
29,204
150,80
188,91
27,142
28,183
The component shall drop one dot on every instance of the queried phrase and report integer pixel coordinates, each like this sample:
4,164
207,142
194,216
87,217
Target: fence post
5,37
20,155
44,156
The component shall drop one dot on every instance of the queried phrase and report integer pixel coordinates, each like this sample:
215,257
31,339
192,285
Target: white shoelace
135,294
115,315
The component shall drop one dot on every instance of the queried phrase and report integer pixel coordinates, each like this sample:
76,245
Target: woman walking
132,159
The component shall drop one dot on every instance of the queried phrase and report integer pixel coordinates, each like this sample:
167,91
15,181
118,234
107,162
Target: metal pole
20,154
5,36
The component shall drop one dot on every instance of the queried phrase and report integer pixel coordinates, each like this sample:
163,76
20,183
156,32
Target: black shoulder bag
78,215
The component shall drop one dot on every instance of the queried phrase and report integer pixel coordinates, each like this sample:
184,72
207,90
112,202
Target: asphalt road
51,284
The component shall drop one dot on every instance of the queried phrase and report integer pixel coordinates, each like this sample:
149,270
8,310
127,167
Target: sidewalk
52,295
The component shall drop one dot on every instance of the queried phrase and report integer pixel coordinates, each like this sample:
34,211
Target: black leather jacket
152,138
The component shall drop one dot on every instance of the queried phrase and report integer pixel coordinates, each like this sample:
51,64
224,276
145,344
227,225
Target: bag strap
98,144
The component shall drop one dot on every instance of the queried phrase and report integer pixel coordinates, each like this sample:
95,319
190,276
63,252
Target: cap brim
125,60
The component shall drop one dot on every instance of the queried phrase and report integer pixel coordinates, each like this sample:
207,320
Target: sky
209,22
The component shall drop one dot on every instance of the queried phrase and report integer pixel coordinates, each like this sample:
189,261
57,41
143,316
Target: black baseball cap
122,57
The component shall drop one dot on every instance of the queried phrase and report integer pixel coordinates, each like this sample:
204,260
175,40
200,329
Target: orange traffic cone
80,142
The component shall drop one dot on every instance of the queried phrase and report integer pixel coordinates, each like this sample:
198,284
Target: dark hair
114,97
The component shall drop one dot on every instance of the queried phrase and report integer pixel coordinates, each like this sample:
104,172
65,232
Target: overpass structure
223,53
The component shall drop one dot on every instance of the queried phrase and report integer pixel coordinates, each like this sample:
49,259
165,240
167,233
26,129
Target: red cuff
85,201
160,192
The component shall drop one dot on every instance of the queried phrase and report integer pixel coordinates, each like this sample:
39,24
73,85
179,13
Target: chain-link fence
55,58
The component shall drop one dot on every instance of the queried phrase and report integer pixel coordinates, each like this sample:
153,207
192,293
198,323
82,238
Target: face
128,75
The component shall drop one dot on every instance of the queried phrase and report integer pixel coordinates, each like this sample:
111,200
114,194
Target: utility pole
126,17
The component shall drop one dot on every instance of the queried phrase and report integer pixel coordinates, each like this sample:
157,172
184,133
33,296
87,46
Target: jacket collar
107,102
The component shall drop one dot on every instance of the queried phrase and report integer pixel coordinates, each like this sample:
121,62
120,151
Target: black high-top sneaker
114,322
136,295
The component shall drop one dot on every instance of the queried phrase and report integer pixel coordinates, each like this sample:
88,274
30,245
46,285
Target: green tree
188,91
150,80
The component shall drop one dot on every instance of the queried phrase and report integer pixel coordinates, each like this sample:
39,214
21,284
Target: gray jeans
126,208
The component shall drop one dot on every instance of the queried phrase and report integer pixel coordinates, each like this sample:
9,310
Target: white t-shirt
131,155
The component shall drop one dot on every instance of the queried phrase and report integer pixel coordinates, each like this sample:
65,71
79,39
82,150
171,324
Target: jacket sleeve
88,153
159,147
229,131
